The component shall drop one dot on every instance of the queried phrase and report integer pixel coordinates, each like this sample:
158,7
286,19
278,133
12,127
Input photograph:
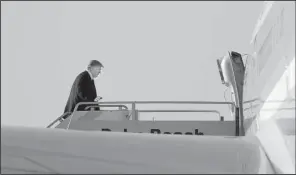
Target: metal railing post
133,111
237,133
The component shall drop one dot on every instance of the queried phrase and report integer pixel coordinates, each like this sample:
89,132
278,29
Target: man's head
95,67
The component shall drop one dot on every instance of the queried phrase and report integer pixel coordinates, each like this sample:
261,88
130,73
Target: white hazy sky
151,51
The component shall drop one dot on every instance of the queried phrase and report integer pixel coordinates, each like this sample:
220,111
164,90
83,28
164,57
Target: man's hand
98,98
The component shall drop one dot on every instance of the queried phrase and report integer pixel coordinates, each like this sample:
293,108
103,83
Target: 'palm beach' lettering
158,131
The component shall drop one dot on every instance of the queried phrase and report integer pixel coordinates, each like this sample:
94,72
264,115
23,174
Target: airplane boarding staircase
124,120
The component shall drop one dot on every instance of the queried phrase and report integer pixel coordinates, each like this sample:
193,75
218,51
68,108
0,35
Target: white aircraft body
260,139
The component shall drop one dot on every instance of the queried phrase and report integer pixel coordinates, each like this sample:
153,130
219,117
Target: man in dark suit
83,88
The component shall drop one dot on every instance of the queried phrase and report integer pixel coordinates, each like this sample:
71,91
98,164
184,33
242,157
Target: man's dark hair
94,63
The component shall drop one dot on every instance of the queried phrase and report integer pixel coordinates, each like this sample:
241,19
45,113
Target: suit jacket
83,90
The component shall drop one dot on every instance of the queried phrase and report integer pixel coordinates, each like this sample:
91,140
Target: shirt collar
90,74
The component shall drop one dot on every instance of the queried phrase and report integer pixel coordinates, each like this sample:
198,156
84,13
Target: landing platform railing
135,111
